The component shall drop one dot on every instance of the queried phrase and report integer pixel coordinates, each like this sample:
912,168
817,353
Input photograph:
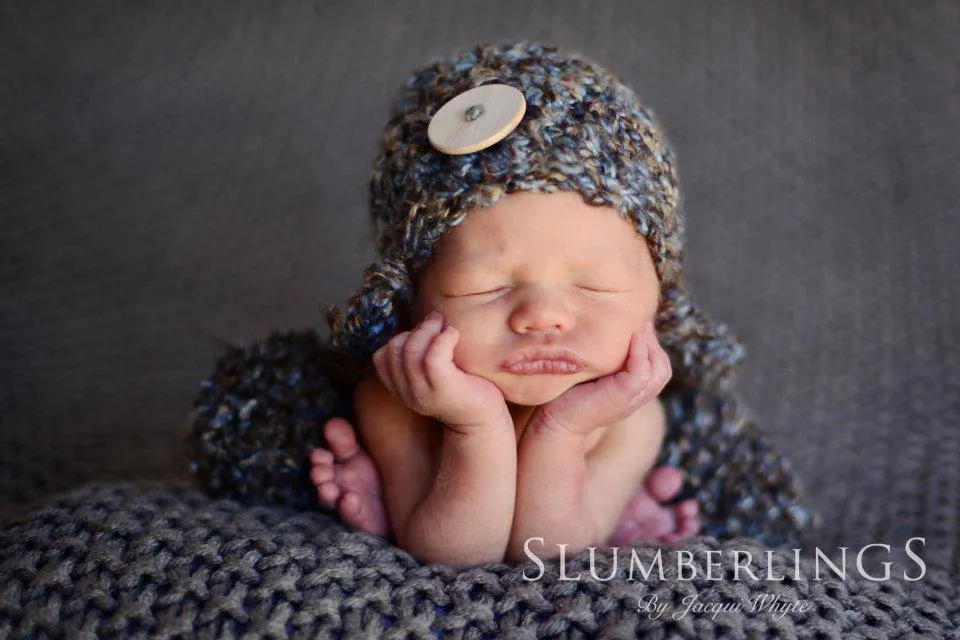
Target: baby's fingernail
433,315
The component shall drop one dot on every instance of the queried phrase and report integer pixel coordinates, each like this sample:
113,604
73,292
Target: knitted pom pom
258,415
375,312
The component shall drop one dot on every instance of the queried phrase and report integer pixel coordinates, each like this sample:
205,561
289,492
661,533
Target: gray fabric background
176,171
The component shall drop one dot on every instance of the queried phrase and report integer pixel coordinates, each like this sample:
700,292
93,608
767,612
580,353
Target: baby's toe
321,457
328,492
688,508
341,438
321,473
663,483
688,519
692,526
351,508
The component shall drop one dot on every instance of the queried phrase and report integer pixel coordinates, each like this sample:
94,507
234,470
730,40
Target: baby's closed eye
503,289
600,288
476,291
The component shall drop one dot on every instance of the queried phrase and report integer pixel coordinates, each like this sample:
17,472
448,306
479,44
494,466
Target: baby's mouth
550,367
557,363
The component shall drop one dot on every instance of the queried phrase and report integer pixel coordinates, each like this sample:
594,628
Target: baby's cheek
425,304
469,352
612,342
465,353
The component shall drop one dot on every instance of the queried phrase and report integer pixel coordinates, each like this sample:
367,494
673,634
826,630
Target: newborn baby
523,403
497,351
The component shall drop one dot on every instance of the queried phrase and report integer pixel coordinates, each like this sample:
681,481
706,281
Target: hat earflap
374,310
702,352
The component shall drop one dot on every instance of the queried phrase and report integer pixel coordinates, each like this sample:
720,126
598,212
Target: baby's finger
438,362
626,383
662,369
395,363
658,360
381,362
632,382
638,364
414,351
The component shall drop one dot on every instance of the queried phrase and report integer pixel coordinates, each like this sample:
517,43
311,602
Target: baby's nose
542,314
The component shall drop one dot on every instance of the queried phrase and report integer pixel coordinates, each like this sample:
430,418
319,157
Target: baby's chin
534,390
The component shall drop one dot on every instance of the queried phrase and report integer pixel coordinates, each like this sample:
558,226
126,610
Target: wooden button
476,119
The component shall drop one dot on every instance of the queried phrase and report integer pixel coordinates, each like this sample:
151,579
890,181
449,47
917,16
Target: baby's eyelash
597,289
501,289
475,293
483,293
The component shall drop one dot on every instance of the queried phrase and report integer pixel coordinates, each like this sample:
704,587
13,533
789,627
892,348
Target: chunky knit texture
131,562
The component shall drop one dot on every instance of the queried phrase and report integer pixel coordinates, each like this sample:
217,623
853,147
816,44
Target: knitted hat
583,130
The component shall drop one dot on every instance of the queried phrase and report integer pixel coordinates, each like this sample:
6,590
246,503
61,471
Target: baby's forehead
461,259
472,246
553,228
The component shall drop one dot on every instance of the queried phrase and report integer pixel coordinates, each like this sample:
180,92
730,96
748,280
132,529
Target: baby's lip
544,361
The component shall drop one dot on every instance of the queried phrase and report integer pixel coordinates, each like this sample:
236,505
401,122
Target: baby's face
541,271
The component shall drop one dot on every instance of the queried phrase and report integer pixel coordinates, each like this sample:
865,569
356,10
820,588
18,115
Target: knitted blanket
253,556
162,562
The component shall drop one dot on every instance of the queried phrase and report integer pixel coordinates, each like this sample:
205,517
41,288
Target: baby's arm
449,494
466,516
566,495
616,467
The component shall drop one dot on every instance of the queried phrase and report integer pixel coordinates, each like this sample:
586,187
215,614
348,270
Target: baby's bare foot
347,479
645,519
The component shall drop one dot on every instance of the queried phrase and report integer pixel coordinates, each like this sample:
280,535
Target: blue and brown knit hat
583,130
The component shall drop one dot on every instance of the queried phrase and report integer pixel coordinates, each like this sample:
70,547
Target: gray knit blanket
125,561
252,555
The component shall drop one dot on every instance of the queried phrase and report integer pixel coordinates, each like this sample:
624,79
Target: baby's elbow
458,556
431,545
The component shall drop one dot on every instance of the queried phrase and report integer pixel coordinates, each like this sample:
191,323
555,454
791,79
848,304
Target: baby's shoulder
371,392
651,417
652,414
372,398
375,407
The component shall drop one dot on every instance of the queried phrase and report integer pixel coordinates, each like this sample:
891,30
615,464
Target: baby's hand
609,399
418,368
